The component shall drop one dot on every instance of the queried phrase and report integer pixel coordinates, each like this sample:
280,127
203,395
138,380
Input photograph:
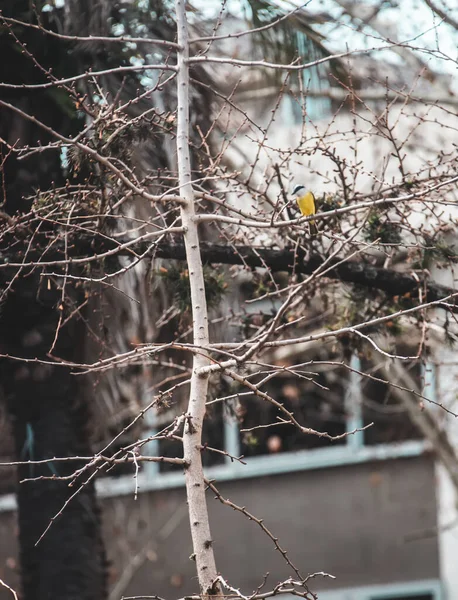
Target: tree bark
48,406
192,438
49,409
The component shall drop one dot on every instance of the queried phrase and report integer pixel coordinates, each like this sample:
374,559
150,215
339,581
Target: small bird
306,203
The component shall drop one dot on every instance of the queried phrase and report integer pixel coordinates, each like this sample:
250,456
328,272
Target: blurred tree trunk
49,409
48,404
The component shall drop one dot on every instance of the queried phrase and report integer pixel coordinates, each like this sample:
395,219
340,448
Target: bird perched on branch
306,203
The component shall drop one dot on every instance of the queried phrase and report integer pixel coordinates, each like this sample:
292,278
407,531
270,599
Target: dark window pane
316,398
382,403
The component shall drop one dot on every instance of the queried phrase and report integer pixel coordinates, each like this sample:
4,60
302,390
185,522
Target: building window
329,397
382,403
339,400
317,402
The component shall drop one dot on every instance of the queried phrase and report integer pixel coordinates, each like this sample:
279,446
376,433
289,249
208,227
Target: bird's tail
313,228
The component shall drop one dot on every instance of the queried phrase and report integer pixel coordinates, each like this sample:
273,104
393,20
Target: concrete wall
365,524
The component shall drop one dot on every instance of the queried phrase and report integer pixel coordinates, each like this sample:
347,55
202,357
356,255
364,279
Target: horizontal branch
87,75
294,66
394,283
89,38
88,249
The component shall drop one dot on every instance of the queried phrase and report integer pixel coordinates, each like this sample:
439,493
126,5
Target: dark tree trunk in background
49,408
48,405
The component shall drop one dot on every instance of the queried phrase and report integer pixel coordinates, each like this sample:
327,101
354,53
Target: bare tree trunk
192,439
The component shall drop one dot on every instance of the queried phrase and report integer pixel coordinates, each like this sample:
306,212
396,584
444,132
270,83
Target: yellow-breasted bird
307,205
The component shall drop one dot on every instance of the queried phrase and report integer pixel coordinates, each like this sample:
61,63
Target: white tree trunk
192,439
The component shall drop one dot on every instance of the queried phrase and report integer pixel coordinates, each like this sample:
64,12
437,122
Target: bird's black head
298,188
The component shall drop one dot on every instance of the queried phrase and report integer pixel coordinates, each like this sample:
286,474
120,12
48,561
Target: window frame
352,452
